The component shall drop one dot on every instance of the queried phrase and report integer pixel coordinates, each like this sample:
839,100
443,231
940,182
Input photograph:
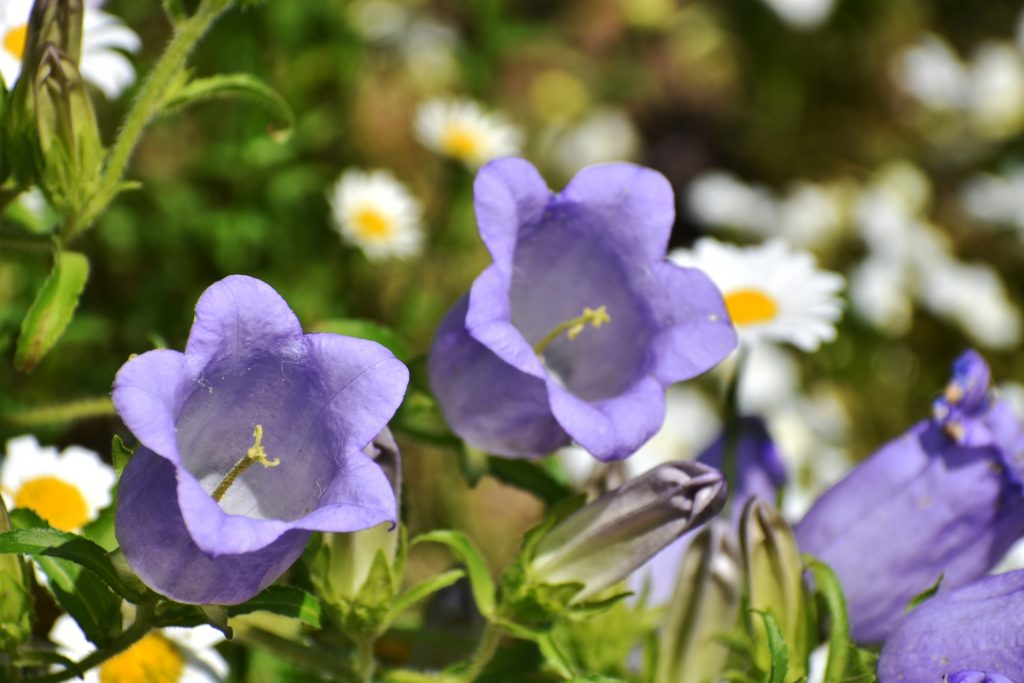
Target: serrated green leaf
826,584
224,86
776,647
286,601
52,309
33,536
368,329
480,580
421,591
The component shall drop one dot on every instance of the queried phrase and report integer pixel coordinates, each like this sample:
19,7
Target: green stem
144,108
81,409
134,633
366,661
485,651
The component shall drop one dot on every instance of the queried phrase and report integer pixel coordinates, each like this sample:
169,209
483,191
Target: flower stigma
573,327
750,307
14,40
154,658
256,453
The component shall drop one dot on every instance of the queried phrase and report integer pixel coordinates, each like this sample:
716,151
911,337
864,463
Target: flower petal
149,392
509,198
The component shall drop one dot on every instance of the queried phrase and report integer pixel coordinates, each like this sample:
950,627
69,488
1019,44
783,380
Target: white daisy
771,291
375,212
461,129
104,39
802,14
67,490
169,655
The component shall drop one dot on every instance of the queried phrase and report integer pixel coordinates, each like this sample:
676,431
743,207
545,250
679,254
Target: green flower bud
359,574
774,575
15,598
705,606
603,542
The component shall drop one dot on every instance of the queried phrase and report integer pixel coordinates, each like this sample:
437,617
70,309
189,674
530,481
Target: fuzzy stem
483,655
146,105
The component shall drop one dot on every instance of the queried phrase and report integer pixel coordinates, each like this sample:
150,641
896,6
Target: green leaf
84,596
556,656
480,580
419,417
776,647
52,309
926,594
422,590
120,454
283,600
368,329
231,86
530,477
33,536
826,584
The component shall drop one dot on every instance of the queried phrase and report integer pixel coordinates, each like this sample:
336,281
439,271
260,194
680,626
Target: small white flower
375,212
105,38
772,293
461,129
974,296
603,135
996,199
997,90
67,490
802,14
168,655
719,199
933,74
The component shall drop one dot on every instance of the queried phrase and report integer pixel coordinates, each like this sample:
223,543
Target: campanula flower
971,635
250,440
943,499
578,325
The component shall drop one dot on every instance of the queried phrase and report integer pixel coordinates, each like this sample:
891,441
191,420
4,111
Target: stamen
595,317
255,454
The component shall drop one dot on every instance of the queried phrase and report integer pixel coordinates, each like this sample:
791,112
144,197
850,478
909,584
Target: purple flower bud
962,634
943,499
601,543
579,324
196,522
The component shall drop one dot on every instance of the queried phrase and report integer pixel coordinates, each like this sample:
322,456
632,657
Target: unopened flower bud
774,573
602,542
358,574
704,606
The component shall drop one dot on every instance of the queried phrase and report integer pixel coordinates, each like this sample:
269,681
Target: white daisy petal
461,129
772,292
67,490
375,212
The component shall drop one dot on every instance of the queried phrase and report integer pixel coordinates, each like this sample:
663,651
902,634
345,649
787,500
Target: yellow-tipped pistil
595,317
256,453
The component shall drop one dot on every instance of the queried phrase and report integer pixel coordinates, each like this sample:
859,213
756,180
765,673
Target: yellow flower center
14,41
750,307
371,224
154,659
56,501
461,143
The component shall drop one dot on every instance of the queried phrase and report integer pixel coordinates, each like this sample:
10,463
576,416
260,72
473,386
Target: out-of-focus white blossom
378,20
879,292
933,74
996,104
375,212
802,14
605,134
996,199
461,129
973,296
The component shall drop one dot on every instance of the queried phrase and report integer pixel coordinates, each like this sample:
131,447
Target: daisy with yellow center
461,129
67,490
105,39
772,292
375,212
170,655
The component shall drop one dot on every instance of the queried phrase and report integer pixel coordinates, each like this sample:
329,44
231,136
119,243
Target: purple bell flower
943,499
250,440
964,634
579,324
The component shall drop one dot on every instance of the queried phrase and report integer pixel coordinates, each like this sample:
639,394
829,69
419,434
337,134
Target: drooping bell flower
250,440
578,325
943,499
971,635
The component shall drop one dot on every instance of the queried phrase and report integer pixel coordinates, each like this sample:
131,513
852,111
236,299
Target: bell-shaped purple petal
318,401
600,242
943,499
972,634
